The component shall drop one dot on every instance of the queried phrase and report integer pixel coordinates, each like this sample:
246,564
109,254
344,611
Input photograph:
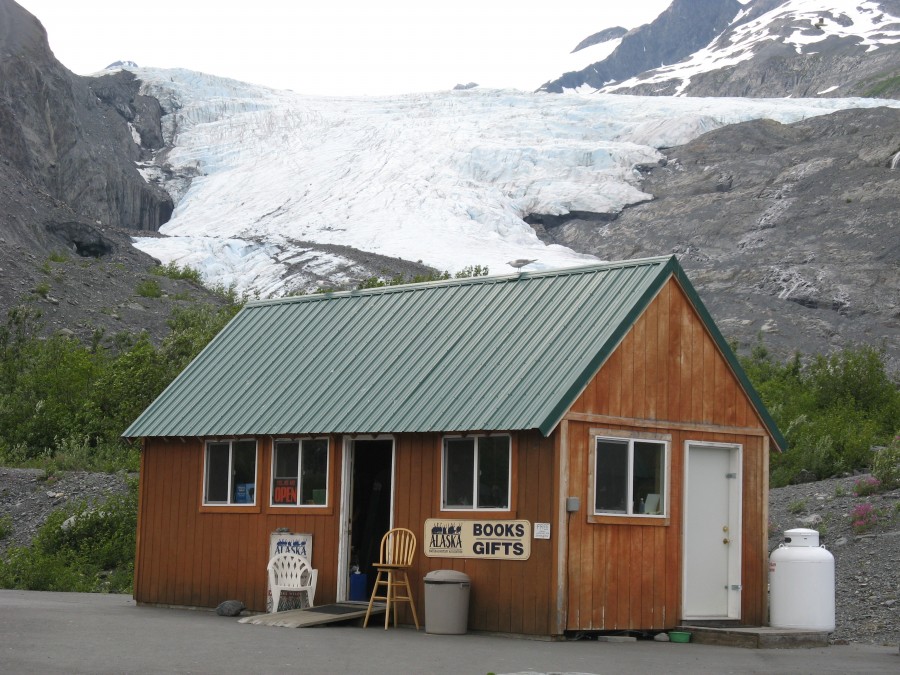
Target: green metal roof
487,353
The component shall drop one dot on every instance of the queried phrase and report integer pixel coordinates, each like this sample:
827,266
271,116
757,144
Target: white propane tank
801,583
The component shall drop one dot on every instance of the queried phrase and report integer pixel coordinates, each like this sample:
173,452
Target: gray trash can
446,602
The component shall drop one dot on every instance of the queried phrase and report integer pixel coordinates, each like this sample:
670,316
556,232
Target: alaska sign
485,539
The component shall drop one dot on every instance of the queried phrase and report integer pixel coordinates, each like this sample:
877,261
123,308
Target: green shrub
173,271
886,464
832,411
83,548
42,289
5,526
464,273
82,453
149,288
869,485
883,87
63,404
864,517
58,257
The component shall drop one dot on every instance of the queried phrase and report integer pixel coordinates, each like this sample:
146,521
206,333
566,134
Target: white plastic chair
291,572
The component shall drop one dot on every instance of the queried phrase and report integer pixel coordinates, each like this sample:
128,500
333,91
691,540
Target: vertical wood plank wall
198,558
193,558
667,369
506,596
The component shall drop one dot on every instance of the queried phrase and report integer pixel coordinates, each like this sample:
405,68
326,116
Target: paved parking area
84,633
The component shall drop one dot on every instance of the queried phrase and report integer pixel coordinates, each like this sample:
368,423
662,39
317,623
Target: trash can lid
446,577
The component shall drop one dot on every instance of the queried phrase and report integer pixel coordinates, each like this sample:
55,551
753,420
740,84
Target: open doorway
369,508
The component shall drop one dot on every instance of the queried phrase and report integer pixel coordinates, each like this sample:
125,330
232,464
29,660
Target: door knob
726,541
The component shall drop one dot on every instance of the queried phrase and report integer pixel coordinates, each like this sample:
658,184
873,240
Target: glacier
262,177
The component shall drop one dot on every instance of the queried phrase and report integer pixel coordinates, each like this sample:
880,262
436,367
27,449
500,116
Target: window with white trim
230,473
476,473
630,477
300,472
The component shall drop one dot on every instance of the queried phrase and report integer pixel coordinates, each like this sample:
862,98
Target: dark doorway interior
371,503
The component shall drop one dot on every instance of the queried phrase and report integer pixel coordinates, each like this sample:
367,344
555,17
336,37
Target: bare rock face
836,67
71,196
67,140
685,27
788,231
770,65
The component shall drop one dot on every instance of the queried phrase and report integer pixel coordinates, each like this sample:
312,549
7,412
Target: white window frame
231,442
631,439
301,441
474,506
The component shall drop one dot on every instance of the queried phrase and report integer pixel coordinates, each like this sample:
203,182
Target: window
476,473
630,477
230,476
300,473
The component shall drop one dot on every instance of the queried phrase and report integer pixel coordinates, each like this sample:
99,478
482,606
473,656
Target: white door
712,532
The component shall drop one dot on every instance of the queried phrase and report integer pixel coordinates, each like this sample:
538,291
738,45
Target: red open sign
284,491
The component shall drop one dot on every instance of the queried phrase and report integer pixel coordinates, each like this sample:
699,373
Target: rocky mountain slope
768,48
72,195
789,230
685,27
866,560
73,138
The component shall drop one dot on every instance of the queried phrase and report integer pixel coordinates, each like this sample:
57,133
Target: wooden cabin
582,443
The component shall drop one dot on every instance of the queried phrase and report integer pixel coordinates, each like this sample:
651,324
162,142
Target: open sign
284,491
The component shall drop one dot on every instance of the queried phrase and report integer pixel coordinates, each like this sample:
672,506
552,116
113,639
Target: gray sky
338,47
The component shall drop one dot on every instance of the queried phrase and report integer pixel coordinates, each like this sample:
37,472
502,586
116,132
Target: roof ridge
491,278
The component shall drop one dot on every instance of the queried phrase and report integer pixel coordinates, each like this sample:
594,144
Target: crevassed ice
446,178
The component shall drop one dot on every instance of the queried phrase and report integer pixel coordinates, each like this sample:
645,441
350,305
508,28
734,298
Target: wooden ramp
314,616
759,637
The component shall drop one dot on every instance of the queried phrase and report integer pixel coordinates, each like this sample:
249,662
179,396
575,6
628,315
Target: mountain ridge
765,48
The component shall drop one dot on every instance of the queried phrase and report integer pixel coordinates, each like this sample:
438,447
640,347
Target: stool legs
390,597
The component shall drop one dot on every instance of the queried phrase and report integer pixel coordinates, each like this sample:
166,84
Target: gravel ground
867,564
27,496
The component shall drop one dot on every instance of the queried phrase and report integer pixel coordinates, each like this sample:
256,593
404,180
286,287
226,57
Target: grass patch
149,288
42,289
173,271
798,506
58,257
890,85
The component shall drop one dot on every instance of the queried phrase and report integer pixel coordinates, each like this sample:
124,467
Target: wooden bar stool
398,548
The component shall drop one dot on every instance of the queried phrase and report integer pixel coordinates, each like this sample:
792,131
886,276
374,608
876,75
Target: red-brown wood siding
506,596
196,556
199,556
666,377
